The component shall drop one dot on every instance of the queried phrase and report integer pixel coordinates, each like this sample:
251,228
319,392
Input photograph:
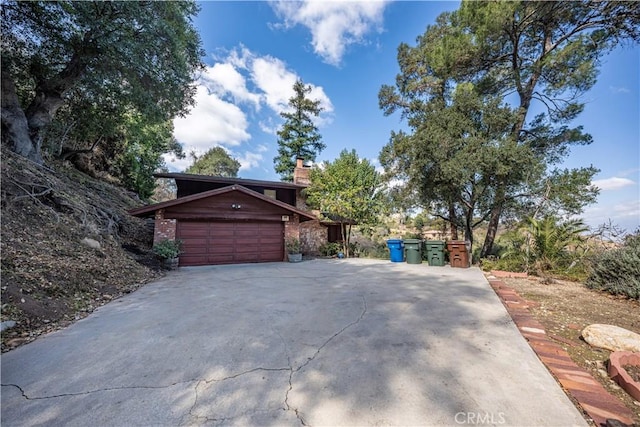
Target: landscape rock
93,244
611,337
7,324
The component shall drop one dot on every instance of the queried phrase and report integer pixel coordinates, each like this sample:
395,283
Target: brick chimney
301,173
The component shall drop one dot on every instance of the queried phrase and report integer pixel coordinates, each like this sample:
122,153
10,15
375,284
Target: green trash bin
435,252
413,248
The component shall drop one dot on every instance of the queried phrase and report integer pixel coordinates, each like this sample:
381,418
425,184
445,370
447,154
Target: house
233,220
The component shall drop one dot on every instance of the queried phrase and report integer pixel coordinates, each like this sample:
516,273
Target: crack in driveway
99,390
198,382
310,359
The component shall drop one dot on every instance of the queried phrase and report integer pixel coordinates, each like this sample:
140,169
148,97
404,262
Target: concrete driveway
319,343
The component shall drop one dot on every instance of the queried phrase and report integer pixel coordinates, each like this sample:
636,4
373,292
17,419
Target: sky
346,51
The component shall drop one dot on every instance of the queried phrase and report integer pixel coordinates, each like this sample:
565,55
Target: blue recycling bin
396,250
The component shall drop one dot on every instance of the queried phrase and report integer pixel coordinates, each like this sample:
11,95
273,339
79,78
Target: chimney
301,173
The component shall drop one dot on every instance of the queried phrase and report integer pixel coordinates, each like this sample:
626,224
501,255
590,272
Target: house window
270,193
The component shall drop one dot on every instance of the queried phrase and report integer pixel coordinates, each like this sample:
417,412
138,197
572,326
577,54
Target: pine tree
298,137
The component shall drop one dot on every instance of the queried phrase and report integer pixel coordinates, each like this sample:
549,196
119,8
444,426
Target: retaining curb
596,402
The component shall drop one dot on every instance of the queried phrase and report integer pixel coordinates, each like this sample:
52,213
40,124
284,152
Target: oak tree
114,57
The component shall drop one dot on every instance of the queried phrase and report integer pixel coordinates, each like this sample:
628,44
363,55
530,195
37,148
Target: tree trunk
452,223
494,221
345,247
40,114
24,127
468,229
15,126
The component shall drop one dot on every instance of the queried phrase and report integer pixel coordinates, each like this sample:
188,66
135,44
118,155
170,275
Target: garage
227,242
229,225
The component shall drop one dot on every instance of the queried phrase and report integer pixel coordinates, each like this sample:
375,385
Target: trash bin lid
394,241
412,241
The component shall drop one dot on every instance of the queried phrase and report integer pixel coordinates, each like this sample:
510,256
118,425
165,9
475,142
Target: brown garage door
222,242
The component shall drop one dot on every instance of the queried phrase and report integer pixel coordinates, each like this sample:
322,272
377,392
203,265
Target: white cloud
275,81
223,78
272,78
613,183
619,89
176,165
627,208
249,160
624,214
334,25
211,122
232,91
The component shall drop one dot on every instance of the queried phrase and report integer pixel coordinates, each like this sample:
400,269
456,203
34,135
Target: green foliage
378,251
167,249
330,249
547,246
140,154
298,138
348,189
469,156
216,162
455,156
617,271
292,245
100,78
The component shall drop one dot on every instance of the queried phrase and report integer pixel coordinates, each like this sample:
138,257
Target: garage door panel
230,242
193,260
194,241
243,242
247,232
247,257
224,241
221,233
221,259
191,233
270,240
220,248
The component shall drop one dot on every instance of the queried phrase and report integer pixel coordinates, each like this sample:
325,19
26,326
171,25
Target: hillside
67,246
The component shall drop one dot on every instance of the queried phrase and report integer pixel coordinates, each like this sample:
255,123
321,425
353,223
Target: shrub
168,249
330,249
293,245
617,271
378,251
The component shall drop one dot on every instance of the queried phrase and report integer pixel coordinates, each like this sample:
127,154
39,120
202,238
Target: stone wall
312,236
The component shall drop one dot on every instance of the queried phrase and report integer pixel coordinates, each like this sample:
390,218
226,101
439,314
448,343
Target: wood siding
221,208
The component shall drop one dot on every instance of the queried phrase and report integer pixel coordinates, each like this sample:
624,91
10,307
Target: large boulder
611,337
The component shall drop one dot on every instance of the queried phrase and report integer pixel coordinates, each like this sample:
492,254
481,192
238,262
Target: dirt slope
49,277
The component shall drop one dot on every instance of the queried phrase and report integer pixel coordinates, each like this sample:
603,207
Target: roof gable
145,211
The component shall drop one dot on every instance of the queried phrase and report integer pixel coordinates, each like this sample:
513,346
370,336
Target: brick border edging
595,400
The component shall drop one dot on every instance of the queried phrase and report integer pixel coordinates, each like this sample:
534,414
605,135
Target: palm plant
548,242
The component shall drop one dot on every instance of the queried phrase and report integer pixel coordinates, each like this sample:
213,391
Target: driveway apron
318,343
